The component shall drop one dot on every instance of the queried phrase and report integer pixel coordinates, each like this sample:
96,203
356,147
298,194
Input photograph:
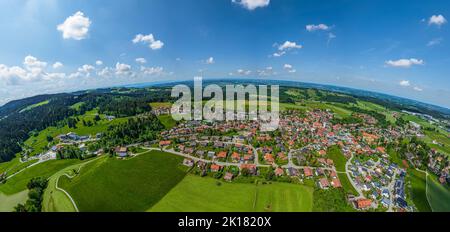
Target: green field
438,194
7,203
419,196
19,182
34,106
167,121
135,184
156,105
338,158
39,143
203,194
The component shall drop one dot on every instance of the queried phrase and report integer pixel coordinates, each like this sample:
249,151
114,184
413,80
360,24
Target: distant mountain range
399,102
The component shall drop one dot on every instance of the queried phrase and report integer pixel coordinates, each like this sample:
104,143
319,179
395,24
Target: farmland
197,194
134,184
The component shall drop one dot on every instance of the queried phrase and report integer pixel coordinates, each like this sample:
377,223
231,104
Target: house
323,183
279,172
269,158
250,167
211,154
222,155
308,172
188,162
363,203
215,168
235,156
292,171
228,176
121,151
385,202
336,183
164,143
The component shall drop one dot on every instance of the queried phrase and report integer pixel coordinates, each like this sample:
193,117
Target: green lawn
377,108
167,121
19,182
156,105
419,196
338,158
135,184
202,194
438,195
7,203
346,184
55,200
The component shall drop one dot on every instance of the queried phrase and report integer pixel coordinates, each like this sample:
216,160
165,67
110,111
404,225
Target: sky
397,47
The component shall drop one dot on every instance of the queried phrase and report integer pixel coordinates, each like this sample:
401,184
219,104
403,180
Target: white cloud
243,72
86,68
99,62
435,41
57,65
141,60
152,70
75,27
404,83
418,89
123,69
437,20
312,27
210,60
149,40
252,4
288,45
289,68
268,71
404,63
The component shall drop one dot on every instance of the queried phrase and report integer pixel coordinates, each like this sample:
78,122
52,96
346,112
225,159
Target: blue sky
396,47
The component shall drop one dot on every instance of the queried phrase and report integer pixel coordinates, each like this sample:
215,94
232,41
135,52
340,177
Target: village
298,151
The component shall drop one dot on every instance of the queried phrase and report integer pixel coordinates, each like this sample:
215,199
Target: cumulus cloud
57,65
404,83
321,27
141,60
252,4
286,46
404,63
123,69
75,27
437,20
152,70
99,62
148,40
289,68
33,70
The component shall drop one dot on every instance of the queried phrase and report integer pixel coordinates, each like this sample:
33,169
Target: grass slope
438,195
7,203
135,184
419,195
197,194
19,182
167,121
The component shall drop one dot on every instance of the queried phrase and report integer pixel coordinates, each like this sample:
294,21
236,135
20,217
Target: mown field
419,195
438,194
19,182
167,121
204,194
134,184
